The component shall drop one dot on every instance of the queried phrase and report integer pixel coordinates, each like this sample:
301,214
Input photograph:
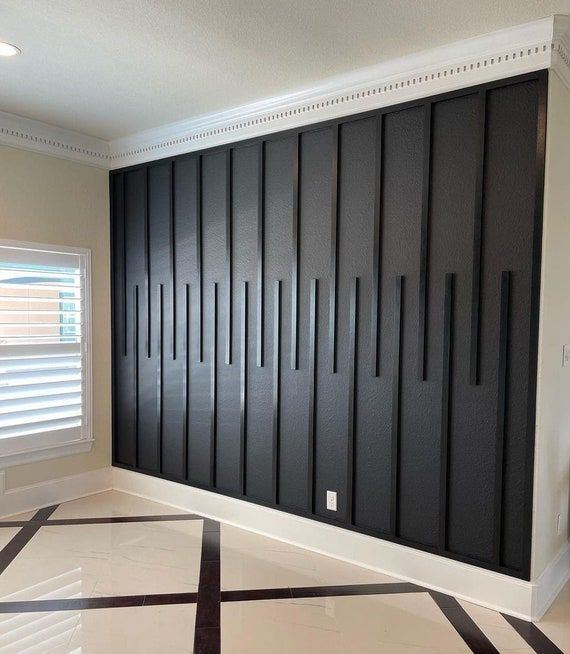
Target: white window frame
41,446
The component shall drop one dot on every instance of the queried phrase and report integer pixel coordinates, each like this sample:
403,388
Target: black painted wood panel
348,306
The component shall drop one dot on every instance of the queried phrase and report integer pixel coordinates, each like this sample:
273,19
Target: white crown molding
521,49
513,51
27,134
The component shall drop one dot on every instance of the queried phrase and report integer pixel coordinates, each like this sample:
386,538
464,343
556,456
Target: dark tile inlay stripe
83,603
23,537
256,594
59,522
474,638
207,630
356,589
536,639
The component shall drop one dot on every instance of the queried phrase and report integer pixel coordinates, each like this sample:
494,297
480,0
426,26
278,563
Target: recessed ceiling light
8,50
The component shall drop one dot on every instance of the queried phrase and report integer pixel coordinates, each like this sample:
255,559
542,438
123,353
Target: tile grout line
59,522
207,630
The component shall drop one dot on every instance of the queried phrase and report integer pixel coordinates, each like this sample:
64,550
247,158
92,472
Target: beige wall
552,463
49,200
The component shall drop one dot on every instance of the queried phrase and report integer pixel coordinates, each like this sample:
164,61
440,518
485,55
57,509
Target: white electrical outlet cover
331,500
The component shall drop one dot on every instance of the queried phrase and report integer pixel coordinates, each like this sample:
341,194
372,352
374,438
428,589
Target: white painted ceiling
110,68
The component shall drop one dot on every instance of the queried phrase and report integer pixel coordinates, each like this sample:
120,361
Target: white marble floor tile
391,624
106,559
253,561
140,630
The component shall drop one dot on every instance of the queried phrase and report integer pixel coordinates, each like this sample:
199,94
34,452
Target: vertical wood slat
501,412
159,372
213,385
375,314
136,370
229,246
477,239
333,282
424,243
313,335
172,246
295,255
199,277
186,379
396,370
124,326
260,252
243,388
352,373
147,264
276,386
445,406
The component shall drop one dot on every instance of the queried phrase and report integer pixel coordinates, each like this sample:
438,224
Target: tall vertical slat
477,239
159,373
333,282
375,314
276,385
243,388
396,369
352,373
424,238
260,251
229,244
445,407
124,294
147,264
136,369
213,385
295,255
313,326
172,244
199,280
501,412
186,378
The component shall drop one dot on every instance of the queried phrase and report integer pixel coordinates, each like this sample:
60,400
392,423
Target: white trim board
53,491
521,49
524,599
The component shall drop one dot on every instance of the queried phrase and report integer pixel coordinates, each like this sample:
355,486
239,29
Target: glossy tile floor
117,573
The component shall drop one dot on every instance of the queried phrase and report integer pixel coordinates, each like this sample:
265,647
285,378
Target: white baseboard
489,589
55,491
551,582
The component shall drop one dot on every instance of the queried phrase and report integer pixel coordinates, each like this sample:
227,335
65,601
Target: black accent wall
350,306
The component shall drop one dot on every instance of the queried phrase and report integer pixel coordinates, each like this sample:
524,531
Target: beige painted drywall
552,453
49,200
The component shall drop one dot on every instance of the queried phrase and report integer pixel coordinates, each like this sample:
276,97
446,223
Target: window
45,354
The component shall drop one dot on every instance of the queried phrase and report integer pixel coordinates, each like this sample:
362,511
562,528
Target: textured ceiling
110,68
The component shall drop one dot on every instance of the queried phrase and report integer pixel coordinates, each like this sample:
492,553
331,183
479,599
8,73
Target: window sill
53,451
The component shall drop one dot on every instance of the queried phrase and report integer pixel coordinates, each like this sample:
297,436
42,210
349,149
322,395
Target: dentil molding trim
522,49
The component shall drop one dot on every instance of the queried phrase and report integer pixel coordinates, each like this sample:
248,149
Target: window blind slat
39,402
47,425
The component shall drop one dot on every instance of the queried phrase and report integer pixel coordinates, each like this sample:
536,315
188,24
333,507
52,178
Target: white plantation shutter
44,347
